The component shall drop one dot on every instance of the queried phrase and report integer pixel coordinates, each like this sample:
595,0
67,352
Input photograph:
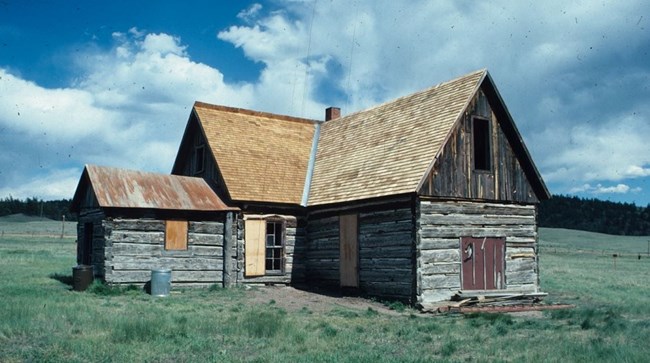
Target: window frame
281,233
482,153
199,162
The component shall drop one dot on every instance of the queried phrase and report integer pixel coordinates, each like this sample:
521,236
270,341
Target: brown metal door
482,263
349,250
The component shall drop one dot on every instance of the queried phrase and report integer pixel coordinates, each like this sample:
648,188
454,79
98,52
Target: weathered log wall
133,247
441,224
386,252
294,252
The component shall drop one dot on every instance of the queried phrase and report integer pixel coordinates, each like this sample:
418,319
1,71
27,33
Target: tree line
52,209
595,215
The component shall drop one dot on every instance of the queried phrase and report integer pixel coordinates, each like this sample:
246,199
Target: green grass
20,224
42,320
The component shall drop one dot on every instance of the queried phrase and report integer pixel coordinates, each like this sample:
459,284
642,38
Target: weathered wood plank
441,281
431,207
205,239
439,243
137,237
439,268
141,276
460,231
136,225
191,263
214,228
476,219
439,256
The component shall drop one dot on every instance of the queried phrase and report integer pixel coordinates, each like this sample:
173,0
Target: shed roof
121,188
262,156
388,149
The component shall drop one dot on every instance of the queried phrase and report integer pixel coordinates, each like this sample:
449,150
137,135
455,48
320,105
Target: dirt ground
294,299
322,301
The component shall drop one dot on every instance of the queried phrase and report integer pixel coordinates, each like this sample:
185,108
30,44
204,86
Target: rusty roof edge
310,166
95,172
456,122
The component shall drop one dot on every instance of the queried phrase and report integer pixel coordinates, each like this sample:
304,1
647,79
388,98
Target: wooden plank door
349,250
254,250
483,263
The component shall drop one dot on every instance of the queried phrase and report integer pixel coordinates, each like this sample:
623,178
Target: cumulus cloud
600,189
250,13
573,77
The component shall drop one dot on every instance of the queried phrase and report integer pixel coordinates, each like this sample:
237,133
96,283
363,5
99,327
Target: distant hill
23,218
595,215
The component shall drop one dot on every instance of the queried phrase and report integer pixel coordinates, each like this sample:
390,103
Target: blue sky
112,83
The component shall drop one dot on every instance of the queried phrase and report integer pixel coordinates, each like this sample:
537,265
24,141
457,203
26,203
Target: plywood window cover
176,235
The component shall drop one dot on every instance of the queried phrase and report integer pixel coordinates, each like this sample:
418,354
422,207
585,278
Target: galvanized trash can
161,281
82,277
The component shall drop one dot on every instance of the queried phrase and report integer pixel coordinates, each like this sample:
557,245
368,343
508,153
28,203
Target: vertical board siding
440,225
133,247
386,252
454,176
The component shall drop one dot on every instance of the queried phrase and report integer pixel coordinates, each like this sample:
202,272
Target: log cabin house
414,199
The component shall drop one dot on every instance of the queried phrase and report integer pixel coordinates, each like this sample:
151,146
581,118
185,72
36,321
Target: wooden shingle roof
122,188
388,149
262,157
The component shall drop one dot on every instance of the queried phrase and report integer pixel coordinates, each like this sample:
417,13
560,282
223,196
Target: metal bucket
161,281
82,277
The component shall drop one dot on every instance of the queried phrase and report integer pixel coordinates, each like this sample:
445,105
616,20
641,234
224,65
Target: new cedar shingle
262,157
388,149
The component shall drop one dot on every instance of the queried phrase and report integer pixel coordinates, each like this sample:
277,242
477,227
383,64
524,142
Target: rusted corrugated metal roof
121,188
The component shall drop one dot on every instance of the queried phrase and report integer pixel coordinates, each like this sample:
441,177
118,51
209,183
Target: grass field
42,320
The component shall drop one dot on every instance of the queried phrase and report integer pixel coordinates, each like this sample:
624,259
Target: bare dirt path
294,299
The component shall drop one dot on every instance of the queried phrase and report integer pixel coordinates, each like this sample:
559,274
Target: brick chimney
332,113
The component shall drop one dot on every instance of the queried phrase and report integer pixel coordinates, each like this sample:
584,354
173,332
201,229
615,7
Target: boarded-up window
255,234
349,250
481,144
175,235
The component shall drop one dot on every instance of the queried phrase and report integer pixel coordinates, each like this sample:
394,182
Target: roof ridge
394,100
245,111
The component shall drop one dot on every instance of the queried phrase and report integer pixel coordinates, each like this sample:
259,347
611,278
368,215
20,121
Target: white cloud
60,183
250,13
571,75
600,189
611,151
